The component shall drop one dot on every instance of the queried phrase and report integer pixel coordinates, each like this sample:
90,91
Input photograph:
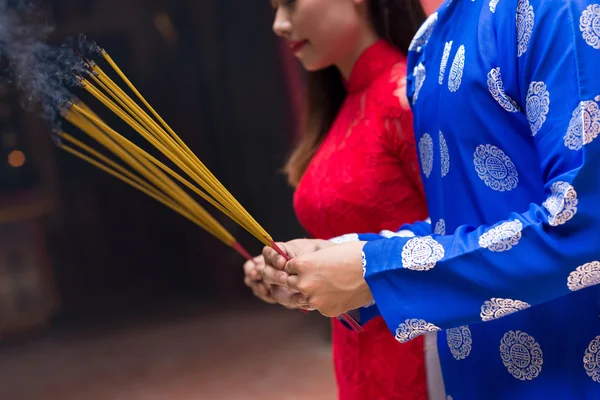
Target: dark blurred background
82,254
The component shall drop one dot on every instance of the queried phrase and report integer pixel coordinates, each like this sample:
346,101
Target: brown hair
397,21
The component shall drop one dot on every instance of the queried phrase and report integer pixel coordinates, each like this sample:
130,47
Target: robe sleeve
420,228
481,273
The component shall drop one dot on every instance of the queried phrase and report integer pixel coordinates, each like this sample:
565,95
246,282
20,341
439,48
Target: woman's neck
429,6
347,63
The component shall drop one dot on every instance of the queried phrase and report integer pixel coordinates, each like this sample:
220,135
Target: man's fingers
299,299
249,267
269,255
266,299
273,258
288,248
291,267
261,291
258,259
279,295
293,281
258,271
282,295
274,276
253,268
286,297
250,271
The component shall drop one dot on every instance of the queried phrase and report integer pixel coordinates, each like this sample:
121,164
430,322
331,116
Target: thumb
273,258
294,266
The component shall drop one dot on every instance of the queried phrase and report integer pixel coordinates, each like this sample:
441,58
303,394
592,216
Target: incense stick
151,176
172,199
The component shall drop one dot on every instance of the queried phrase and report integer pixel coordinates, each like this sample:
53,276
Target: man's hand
330,276
268,293
273,271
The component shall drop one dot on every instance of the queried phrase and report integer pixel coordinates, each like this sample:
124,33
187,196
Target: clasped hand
269,293
321,275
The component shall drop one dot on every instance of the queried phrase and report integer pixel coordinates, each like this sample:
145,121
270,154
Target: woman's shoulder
391,109
388,91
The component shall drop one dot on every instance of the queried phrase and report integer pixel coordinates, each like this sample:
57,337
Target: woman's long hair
397,21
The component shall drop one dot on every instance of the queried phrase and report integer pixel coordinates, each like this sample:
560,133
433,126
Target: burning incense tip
65,108
79,81
56,138
99,49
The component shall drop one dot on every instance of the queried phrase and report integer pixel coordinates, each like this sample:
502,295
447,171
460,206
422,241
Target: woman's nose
282,25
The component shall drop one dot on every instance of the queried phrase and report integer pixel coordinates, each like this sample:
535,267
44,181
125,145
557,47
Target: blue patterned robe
506,97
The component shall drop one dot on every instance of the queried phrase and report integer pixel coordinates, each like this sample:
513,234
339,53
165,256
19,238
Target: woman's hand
253,279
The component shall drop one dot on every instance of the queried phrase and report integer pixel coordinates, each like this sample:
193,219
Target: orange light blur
16,158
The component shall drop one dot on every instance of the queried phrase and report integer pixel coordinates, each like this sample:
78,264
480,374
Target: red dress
365,178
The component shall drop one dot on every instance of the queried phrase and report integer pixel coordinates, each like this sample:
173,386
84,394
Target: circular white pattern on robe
440,228
405,233
444,62
363,259
411,328
444,155
537,105
584,126
421,253
449,398
423,34
369,304
495,168
496,88
589,25
493,4
521,355
459,341
426,154
419,73
584,276
349,237
591,360
498,308
503,237
525,22
562,203
456,70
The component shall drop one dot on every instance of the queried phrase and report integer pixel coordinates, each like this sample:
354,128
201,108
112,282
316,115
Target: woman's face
319,32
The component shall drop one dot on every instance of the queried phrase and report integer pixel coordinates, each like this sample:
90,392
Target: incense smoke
42,73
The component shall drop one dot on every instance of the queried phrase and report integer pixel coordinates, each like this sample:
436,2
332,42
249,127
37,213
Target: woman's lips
297,45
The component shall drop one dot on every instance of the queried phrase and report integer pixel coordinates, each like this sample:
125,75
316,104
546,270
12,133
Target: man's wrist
323,244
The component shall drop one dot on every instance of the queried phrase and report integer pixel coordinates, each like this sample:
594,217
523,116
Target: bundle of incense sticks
143,171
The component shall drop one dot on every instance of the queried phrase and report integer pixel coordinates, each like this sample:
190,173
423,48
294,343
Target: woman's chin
314,66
